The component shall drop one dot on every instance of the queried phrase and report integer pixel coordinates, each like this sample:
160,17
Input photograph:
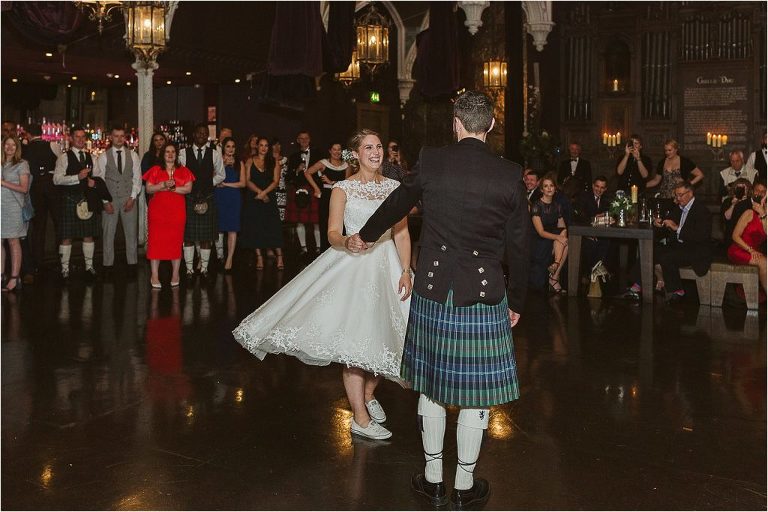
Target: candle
618,137
605,138
613,140
709,139
615,86
634,194
725,140
719,141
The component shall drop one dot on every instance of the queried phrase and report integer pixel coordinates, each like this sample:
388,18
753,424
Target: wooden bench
724,273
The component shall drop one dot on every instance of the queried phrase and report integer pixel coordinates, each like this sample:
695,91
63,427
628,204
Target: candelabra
611,141
716,143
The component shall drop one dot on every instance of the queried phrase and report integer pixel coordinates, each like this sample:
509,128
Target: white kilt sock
432,420
220,246
301,234
469,437
65,251
205,257
88,249
189,256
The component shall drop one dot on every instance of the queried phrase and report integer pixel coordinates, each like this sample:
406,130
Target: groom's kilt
70,226
460,355
200,228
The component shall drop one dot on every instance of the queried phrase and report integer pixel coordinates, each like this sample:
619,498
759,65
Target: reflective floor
115,396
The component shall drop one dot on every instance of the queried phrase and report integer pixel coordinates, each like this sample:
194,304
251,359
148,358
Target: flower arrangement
621,203
349,157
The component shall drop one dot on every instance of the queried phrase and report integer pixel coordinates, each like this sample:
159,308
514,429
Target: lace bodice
362,200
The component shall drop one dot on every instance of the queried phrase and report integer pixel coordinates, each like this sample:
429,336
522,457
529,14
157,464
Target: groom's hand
513,318
355,244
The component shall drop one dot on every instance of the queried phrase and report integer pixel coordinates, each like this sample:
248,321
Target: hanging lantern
352,74
99,10
145,28
494,74
373,38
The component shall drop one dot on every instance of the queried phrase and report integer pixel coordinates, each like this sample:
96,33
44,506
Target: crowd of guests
209,194
218,195
683,225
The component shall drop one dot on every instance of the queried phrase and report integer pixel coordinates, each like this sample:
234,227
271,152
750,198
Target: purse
302,198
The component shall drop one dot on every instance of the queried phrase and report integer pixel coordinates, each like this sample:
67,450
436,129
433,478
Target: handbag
302,198
27,211
83,213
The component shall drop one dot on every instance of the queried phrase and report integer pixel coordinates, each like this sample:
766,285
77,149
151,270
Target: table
642,233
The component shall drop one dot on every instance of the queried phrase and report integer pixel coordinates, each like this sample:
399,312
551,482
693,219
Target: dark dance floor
118,397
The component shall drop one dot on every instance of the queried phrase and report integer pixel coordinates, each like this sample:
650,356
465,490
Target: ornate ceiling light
145,28
99,10
373,38
494,74
352,74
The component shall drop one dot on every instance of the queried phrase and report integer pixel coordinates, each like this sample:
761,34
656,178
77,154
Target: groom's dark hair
474,110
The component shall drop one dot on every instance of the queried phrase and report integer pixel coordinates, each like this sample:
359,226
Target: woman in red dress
167,212
748,237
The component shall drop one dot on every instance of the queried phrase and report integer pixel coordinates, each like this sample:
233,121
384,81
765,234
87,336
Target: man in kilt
73,178
458,346
201,227
303,206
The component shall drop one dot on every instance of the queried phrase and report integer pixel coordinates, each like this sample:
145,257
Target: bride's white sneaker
376,411
372,431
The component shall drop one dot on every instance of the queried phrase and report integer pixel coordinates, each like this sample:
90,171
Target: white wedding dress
343,307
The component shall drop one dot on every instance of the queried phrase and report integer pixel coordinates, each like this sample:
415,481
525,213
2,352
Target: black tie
119,161
200,155
82,158
738,173
597,200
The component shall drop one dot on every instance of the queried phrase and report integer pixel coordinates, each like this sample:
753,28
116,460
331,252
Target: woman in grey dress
15,186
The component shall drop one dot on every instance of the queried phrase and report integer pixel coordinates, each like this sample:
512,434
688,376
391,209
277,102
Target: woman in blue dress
262,228
228,200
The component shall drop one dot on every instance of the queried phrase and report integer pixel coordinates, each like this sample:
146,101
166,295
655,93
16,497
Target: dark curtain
436,69
340,40
47,22
295,52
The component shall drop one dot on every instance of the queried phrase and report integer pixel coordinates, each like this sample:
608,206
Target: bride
346,307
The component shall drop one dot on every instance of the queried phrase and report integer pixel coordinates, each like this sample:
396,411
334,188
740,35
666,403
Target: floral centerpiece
620,208
539,149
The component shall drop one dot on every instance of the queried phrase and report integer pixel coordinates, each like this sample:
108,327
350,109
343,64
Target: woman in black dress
325,173
261,227
549,249
154,155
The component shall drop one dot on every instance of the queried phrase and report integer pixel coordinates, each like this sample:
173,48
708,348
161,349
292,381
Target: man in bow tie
735,171
575,172
304,213
757,161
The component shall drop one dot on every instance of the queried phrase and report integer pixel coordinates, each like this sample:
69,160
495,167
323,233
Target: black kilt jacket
475,216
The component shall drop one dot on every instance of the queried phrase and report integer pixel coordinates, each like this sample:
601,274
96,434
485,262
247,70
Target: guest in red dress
748,237
167,212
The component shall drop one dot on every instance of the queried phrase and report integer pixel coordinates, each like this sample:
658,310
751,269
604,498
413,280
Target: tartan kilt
460,356
200,228
308,215
70,226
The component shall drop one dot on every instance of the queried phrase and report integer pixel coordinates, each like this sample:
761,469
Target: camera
757,199
739,193
395,147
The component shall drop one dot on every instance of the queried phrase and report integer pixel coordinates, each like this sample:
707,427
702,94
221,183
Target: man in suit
458,347
589,204
574,174
688,243
42,156
299,162
757,161
531,181
120,168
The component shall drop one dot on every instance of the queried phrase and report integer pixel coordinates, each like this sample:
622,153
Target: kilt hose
70,227
200,228
460,355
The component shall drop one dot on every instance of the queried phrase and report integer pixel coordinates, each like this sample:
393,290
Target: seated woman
748,237
549,249
738,201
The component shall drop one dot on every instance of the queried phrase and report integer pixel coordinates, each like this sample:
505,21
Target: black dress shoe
675,298
472,498
434,493
90,274
630,294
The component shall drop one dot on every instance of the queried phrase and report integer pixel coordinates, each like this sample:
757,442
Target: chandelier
99,10
373,38
494,74
145,28
352,74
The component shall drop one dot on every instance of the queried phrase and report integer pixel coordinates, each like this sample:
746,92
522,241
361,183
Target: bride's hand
355,244
405,284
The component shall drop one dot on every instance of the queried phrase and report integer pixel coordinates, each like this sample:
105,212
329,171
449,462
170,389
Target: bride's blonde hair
354,145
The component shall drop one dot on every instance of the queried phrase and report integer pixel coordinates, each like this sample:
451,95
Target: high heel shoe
553,268
554,285
17,284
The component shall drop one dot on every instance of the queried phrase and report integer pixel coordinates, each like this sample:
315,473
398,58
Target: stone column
144,72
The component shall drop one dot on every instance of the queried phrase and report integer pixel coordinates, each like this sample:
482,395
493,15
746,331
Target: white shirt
100,167
574,164
728,175
60,172
218,164
684,216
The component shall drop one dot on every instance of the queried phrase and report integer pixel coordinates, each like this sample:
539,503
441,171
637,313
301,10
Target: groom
458,348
